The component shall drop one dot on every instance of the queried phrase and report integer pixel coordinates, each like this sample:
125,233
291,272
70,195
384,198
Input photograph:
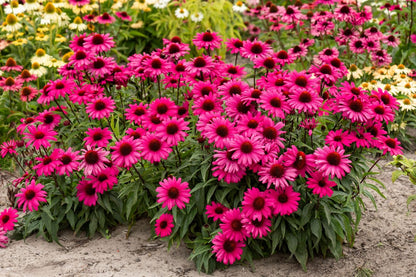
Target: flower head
30,196
173,192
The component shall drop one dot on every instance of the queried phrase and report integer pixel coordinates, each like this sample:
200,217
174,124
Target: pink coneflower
247,150
176,51
249,124
200,65
234,45
136,133
125,152
47,164
68,161
201,89
97,137
79,3
269,63
298,51
226,249
28,93
105,180
93,160
299,160
151,122
77,42
391,145
164,225
208,40
233,71
257,228
90,18
276,173
339,138
82,94
223,160
207,104
219,131
87,193
101,66
344,13
81,59
172,130
100,107
285,200
136,112
357,45
163,107
255,49
123,16
8,219
25,76
232,88
3,238
283,57
381,112
153,148
274,102
105,18
305,101
11,65
11,84
98,42
215,210
8,147
256,204
270,134
232,226
332,161
300,81
320,184
155,66
173,192
381,57
39,136
30,196
49,119
291,14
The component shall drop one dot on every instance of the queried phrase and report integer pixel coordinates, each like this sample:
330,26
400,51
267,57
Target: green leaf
70,216
306,214
292,242
396,174
410,199
92,226
316,229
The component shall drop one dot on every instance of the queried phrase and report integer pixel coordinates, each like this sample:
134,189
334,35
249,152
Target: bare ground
384,244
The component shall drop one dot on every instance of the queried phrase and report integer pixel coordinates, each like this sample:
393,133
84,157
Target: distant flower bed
239,157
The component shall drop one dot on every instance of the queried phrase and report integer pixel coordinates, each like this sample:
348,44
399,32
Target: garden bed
384,244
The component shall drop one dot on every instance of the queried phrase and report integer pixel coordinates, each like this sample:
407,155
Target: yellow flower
19,41
41,37
354,72
137,25
139,5
60,38
37,69
65,58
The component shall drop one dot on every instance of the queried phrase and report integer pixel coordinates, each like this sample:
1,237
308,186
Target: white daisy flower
239,7
197,17
181,13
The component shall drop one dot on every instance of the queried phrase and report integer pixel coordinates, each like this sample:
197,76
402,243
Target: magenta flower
219,131
125,152
153,148
256,204
215,210
100,107
164,225
47,164
39,136
207,40
3,238
11,65
136,112
320,184
247,151
105,18
232,225
105,180
391,145
257,228
123,16
98,42
30,196
173,192
332,161
68,161
93,160
277,174
163,107
8,219
8,147
227,250
255,49
173,130
285,200
87,193
98,137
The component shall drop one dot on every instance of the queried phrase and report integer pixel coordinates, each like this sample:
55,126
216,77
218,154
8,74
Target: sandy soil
384,244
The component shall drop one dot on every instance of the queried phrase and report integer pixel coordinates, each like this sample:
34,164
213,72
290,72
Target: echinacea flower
256,204
93,160
39,136
173,130
215,210
98,42
257,228
285,200
86,193
255,49
232,226
68,161
98,137
173,192
227,250
11,65
164,225
47,164
125,152
332,161
105,180
153,149
30,196
8,219
100,107
3,238
391,145
277,173
247,151
207,40
8,147
320,184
